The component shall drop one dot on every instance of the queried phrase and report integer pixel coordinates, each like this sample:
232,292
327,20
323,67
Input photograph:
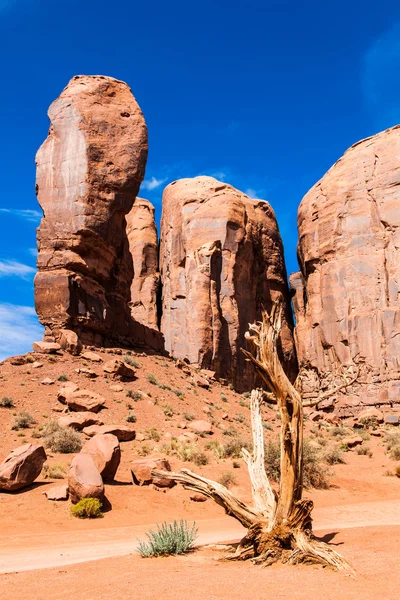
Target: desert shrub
333,456
395,453
217,448
223,397
231,431
145,450
314,474
186,451
30,359
63,377
153,434
364,435
233,448
87,508
6,402
199,458
151,378
131,362
339,431
168,411
364,451
236,464
60,439
134,395
56,471
397,471
246,395
240,418
131,418
227,479
23,420
189,416
175,538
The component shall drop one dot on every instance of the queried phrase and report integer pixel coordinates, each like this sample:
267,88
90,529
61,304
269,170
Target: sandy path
30,552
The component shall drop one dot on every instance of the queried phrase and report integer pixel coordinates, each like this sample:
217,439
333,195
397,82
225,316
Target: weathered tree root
279,525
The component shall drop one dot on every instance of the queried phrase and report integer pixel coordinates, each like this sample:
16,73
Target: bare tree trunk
279,525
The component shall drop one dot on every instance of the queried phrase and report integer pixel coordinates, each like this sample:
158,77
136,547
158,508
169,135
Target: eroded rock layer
89,171
347,295
143,246
221,260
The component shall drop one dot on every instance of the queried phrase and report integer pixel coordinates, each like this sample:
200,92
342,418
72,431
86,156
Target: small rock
47,381
93,356
88,372
85,400
119,369
46,347
117,388
370,415
69,341
225,416
391,419
352,442
123,433
36,365
84,479
201,427
58,493
141,472
201,381
315,416
68,388
79,420
21,467
140,437
198,498
17,361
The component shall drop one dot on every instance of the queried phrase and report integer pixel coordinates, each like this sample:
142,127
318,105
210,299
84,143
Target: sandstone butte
221,260
347,294
143,246
89,170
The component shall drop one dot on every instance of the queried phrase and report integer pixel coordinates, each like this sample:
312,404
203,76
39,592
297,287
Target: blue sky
265,95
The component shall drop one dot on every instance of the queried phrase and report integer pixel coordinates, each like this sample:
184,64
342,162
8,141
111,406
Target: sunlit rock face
347,296
89,170
221,261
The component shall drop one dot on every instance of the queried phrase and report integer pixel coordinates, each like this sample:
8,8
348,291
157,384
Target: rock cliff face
143,246
347,295
221,260
89,171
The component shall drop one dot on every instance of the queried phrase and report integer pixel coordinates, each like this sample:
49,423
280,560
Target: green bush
87,508
175,538
7,402
60,439
23,420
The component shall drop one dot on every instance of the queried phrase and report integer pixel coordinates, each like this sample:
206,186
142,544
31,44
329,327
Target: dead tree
279,523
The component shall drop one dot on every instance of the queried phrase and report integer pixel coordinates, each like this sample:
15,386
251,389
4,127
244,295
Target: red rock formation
89,171
347,296
21,467
221,260
143,246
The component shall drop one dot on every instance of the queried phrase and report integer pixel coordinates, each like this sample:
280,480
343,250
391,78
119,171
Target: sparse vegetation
131,362
189,416
240,418
392,444
7,402
131,418
145,450
223,397
87,508
334,456
153,434
56,471
134,395
152,379
186,451
63,377
168,410
227,479
23,420
364,451
175,538
314,473
60,439
397,470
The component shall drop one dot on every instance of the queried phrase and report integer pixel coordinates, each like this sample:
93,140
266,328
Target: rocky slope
347,295
89,171
221,260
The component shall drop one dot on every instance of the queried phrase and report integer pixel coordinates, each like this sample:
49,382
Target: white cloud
19,327
381,78
9,268
220,175
33,216
33,251
254,194
153,183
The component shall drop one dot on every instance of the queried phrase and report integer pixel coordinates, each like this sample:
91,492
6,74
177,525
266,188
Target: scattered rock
84,479
141,472
119,369
57,493
315,416
201,427
47,381
392,419
83,400
106,454
66,390
21,467
69,341
93,356
117,388
46,347
36,365
201,381
370,415
79,420
352,442
198,498
18,361
123,433
88,372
